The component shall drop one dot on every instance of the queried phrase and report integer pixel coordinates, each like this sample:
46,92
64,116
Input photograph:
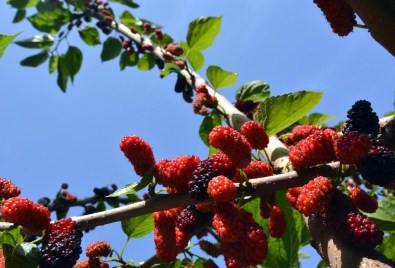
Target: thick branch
379,17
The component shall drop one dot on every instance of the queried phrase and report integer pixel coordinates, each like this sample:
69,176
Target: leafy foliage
5,40
220,78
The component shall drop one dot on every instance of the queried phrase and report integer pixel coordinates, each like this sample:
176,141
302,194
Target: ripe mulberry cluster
342,215
258,169
221,189
233,144
339,14
165,235
277,222
61,244
311,197
98,249
315,149
176,173
8,189
139,153
378,167
22,211
203,100
255,134
362,119
215,165
299,133
352,146
227,222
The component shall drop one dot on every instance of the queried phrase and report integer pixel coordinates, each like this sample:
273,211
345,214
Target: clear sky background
48,137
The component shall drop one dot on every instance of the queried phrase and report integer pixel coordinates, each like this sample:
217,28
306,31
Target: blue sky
49,137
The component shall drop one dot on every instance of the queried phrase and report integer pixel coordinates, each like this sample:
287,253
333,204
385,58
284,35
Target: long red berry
266,203
232,143
139,153
176,173
221,189
165,235
258,169
98,249
352,146
255,134
277,222
22,211
227,222
210,248
363,201
8,189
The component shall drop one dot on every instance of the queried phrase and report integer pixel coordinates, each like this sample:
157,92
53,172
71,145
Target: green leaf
19,15
209,122
50,21
322,264
73,60
176,264
63,74
38,41
11,236
128,3
22,4
389,114
315,119
138,226
220,78
128,59
5,41
387,248
128,19
53,63
90,35
253,91
146,62
101,206
385,214
279,112
169,68
111,49
283,252
196,59
134,187
202,32
44,6
35,60
212,150
25,255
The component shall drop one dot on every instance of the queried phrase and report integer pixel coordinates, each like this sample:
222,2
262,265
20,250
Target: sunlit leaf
5,40
202,32
138,226
196,59
220,78
253,91
90,35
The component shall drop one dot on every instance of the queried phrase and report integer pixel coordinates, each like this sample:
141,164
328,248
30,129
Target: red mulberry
22,211
165,235
8,189
258,169
352,146
265,205
311,197
232,143
363,201
339,14
315,149
139,153
91,263
277,222
255,134
61,246
176,173
221,189
227,222
300,132
98,249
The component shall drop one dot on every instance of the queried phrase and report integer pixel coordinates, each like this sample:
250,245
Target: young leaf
279,112
208,123
127,19
146,62
5,40
19,16
111,49
128,59
38,41
138,226
90,35
50,21
220,78
315,119
202,32
253,91
385,214
25,255
387,248
128,3
35,60
63,74
195,58
53,63
73,60
134,187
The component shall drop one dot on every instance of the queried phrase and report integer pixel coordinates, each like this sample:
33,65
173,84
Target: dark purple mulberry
361,118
